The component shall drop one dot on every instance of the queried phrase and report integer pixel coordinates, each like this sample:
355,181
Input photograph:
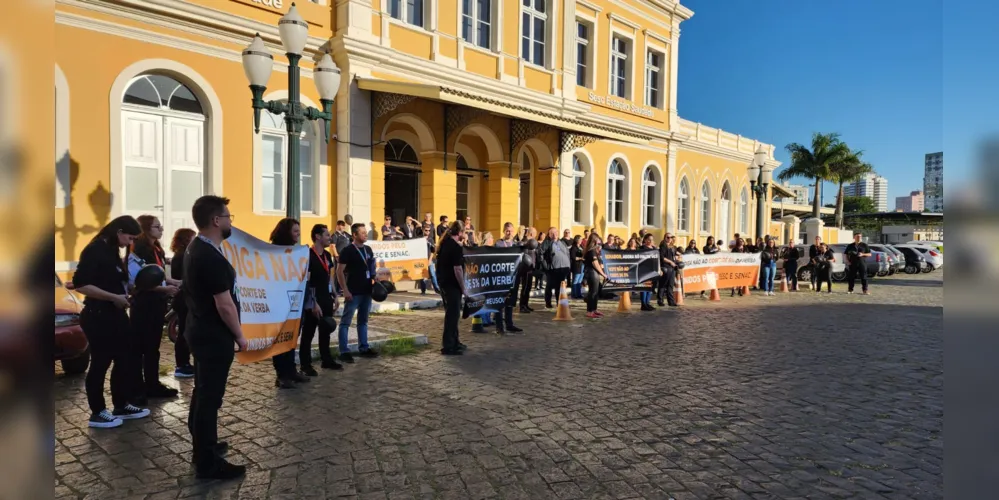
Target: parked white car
934,258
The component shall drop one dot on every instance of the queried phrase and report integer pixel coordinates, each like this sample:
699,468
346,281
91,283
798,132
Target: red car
71,346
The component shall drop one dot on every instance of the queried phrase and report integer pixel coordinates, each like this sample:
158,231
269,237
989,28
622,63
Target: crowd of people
124,325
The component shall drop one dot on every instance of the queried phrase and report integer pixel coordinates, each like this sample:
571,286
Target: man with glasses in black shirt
356,274
667,283
814,252
209,288
451,279
855,259
321,316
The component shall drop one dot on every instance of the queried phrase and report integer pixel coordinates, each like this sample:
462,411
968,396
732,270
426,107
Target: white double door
724,225
164,166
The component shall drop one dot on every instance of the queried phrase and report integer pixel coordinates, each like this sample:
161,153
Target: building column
674,60
377,184
566,192
354,19
792,227
670,222
546,199
439,187
353,163
813,228
502,196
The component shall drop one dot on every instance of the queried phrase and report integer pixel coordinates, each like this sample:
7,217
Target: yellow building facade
538,112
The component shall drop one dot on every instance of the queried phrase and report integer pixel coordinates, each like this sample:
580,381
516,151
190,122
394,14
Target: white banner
401,260
270,284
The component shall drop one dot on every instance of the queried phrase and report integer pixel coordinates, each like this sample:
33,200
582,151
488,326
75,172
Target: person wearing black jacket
576,256
527,270
182,353
101,277
442,227
451,278
320,317
855,259
814,251
791,256
149,308
667,281
710,247
287,232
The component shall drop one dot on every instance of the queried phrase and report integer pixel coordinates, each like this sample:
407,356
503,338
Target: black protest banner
490,274
631,269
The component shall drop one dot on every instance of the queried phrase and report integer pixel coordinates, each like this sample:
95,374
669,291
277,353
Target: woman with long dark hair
182,353
768,263
149,309
576,257
691,247
287,232
740,247
709,246
595,275
102,277
648,243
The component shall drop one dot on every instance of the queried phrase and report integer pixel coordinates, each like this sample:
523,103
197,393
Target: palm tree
849,168
814,163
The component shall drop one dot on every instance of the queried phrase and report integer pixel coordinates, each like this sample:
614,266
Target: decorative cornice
588,5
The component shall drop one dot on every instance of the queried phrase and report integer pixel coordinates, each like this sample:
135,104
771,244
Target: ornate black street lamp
759,179
258,63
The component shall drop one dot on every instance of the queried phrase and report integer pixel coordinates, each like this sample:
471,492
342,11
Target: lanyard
210,242
322,260
156,255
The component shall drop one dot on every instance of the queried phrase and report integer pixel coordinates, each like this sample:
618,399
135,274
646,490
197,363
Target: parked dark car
914,261
71,347
896,260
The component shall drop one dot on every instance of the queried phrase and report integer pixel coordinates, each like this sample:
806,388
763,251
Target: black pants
821,277
211,372
814,275
107,330
526,284
452,313
504,318
310,325
147,317
791,274
667,284
592,280
284,364
555,278
851,277
181,352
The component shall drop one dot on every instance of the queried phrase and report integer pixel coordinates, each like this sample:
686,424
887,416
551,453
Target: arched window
724,212
683,206
580,190
163,92
461,207
399,151
705,208
744,212
525,189
616,192
274,167
650,197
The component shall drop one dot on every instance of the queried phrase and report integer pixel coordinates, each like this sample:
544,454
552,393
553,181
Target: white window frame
659,72
589,42
545,38
316,173
617,195
629,46
495,15
705,208
585,179
656,185
405,11
744,211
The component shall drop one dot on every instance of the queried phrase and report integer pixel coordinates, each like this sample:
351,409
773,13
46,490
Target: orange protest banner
702,273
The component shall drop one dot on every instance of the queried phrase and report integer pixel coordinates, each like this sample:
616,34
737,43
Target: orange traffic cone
562,312
745,291
715,296
624,305
783,285
678,292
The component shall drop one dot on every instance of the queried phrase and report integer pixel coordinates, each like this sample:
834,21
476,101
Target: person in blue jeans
768,263
356,275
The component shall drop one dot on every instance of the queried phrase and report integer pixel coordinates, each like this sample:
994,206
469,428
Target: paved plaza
801,395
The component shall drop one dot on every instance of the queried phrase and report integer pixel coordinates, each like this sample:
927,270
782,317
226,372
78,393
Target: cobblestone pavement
799,395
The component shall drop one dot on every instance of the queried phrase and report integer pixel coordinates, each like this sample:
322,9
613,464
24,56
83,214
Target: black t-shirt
824,260
177,273
319,275
340,241
710,249
813,252
441,229
853,251
359,268
207,273
767,255
590,259
575,253
791,256
100,265
449,256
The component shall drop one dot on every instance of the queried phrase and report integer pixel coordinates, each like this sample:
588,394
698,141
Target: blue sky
778,70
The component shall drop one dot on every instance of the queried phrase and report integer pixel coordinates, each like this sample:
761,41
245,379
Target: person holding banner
595,275
647,244
504,319
556,256
668,253
356,274
287,232
321,316
710,247
209,287
451,279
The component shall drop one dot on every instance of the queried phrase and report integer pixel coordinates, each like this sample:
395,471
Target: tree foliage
815,162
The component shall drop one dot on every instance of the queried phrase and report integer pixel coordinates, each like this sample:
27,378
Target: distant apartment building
800,194
872,186
913,202
933,182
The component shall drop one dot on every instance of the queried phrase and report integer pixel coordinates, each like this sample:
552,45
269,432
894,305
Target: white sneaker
104,420
130,412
